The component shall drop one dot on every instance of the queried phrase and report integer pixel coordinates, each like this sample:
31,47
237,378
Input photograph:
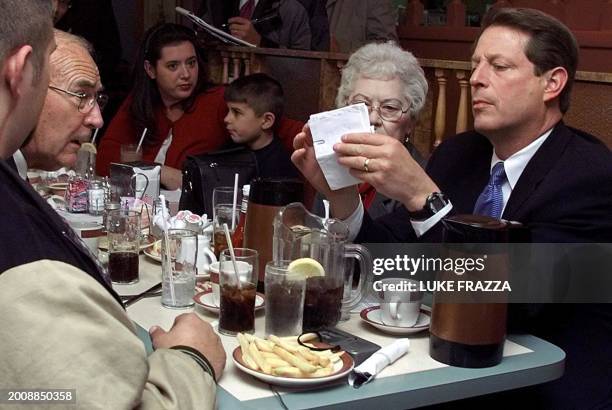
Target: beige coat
353,23
61,329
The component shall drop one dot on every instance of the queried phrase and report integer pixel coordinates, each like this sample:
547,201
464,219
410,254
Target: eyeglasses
389,110
86,101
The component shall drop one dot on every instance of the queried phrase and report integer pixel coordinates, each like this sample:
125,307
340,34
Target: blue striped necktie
491,200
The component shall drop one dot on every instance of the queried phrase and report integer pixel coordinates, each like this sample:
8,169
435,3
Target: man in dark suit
265,23
522,163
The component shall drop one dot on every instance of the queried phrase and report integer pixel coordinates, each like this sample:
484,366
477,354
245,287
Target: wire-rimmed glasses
86,100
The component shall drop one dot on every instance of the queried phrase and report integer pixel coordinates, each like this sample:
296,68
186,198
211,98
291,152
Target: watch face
437,201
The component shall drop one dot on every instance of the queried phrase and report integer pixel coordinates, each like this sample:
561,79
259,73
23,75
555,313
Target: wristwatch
433,204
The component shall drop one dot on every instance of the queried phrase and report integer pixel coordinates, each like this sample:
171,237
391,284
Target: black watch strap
433,204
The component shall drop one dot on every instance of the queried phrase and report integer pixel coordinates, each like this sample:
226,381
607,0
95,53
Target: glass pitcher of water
300,234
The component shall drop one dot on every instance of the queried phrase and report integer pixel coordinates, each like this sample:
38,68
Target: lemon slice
89,147
306,267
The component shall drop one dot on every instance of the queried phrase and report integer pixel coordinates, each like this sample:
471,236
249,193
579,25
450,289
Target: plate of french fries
154,251
282,361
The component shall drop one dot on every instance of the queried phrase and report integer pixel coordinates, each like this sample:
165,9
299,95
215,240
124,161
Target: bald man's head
70,110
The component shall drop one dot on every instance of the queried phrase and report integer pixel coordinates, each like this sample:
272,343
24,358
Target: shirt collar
243,2
22,166
515,164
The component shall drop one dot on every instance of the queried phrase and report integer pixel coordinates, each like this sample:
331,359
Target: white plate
207,301
149,251
341,369
371,316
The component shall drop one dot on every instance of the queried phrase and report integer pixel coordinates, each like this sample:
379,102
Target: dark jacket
32,230
563,195
290,28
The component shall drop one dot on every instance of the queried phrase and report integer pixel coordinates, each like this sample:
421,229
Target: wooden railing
311,79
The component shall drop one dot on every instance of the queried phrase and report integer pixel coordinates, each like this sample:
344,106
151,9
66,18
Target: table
414,380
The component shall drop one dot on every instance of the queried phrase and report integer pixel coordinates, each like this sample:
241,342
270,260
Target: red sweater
199,130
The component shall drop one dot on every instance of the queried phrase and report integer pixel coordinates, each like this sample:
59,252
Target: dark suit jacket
563,195
289,29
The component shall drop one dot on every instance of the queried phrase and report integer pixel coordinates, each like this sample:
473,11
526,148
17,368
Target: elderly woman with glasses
390,82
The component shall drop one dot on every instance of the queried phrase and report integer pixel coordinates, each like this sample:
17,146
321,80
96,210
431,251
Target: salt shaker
95,197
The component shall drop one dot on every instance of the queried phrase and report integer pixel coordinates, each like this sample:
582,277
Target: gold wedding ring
365,165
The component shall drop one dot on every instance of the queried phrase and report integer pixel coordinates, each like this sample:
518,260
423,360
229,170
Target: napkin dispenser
468,329
125,184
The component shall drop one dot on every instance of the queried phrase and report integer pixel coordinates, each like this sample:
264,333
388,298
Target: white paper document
212,30
327,128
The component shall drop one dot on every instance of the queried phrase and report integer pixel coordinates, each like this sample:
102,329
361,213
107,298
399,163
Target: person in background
390,82
264,23
255,104
64,326
522,163
72,109
353,23
95,21
172,98
319,24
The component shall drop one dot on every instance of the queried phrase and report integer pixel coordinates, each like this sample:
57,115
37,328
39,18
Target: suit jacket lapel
536,170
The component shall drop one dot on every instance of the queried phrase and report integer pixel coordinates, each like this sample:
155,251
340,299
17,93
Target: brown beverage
219,242
321,304
237,310
123,267
283,308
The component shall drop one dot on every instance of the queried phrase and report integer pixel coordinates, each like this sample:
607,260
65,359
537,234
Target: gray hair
382,61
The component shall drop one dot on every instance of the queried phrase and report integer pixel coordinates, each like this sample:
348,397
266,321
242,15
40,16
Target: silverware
151,292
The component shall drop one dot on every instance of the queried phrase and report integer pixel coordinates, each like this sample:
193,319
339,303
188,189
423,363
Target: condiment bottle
238,235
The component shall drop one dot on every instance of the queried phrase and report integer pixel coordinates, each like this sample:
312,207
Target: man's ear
556,79
268,120
150,70
15,66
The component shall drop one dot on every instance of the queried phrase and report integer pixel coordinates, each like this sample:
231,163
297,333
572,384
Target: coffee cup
400,306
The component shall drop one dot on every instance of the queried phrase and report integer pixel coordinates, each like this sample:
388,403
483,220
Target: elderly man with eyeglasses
72,109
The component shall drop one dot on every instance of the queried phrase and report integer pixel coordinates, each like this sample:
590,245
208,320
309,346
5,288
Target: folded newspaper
212,30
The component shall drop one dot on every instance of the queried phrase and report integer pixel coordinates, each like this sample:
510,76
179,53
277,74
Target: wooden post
462,110
455,14
225,78
236,61
605,22
247,63
414,13
440,120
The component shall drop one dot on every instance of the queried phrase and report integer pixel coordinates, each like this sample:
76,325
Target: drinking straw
228,238
144,132
162,198
235,200
93,140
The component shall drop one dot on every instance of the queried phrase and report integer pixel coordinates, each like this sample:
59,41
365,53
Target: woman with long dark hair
173,100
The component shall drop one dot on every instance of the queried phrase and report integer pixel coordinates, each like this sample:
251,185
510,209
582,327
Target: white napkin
327,129
367,371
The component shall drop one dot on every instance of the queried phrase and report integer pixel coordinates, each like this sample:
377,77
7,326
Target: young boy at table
256,104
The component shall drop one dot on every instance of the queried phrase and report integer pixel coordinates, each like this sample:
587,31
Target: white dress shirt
243,2
514,166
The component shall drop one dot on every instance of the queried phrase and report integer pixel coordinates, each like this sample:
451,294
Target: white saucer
371,316
207,301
